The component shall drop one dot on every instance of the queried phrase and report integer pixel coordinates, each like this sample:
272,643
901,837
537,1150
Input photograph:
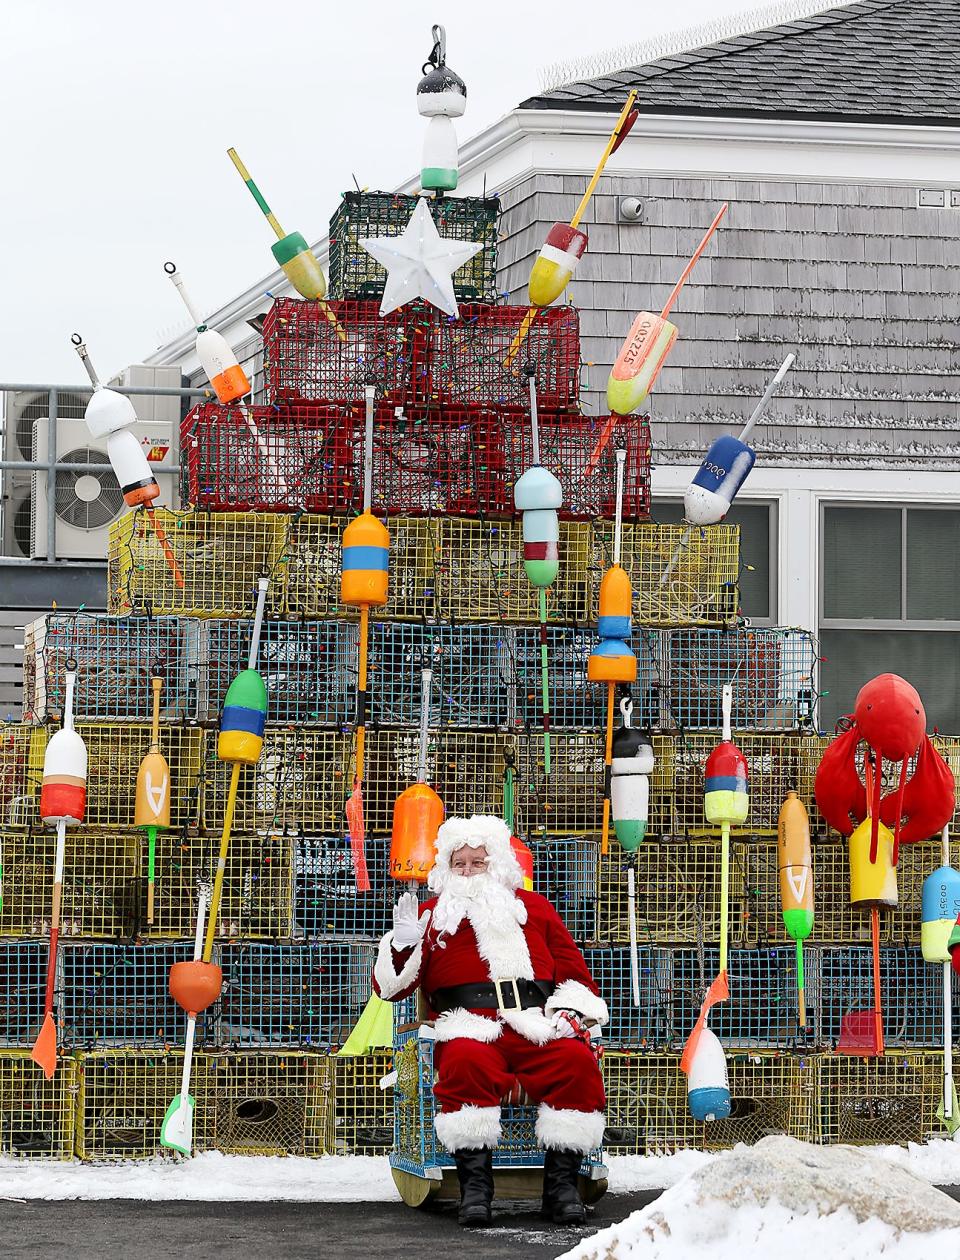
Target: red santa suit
485,928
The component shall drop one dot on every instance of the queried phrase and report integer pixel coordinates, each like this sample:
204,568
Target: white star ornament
420,263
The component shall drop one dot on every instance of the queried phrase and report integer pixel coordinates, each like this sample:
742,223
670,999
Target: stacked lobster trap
462,638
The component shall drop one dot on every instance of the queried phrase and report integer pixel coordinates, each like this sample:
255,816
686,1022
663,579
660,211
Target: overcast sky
115,126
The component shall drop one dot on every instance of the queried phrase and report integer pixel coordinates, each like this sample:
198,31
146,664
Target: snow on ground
351,1178
790,1200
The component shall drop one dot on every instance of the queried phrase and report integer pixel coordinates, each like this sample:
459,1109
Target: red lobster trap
418,356
449,460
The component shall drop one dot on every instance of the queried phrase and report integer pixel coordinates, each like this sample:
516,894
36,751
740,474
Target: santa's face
469,861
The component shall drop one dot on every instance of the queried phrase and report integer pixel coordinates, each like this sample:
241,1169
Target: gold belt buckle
501,1005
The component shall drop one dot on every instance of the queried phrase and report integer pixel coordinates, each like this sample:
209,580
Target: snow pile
791,1200
210,1177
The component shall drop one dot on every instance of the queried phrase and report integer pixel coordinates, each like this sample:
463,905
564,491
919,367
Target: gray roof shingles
877,60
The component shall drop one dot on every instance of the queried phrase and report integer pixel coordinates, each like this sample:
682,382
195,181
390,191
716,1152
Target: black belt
501,995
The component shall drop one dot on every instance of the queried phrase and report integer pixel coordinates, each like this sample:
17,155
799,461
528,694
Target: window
890,603
758,554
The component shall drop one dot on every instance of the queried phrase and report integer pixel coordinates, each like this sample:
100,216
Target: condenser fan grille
69,407
88,500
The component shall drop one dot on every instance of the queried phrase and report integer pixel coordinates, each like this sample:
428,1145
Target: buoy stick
632,913
534,416
222,860
263,583
425,676
156,683
685,274
680,548
621,457
369,396
544,681
521,334
727,706
801,999
612,144
165,547
255,192
177,1128
877,1014
768,393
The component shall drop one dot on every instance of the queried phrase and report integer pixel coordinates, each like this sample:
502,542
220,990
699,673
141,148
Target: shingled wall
862,284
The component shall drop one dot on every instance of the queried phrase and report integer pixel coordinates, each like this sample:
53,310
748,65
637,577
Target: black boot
561,1192
475,1171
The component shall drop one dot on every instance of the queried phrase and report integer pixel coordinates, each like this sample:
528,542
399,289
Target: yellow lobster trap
258,885
647,1112
220,555
680,576
36,1115
100,884
362,1111
677,893
263,1103
300,783
892,1099
21,764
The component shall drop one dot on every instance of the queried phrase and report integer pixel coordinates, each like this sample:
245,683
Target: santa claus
513,1002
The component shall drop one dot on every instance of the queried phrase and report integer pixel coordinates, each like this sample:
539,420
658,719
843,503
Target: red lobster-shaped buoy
889,717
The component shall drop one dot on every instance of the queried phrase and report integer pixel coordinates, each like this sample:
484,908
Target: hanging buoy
244,719
939,908
631,767
441,97
873,885
708,1090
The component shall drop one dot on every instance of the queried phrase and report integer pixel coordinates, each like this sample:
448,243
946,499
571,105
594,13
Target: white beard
497,917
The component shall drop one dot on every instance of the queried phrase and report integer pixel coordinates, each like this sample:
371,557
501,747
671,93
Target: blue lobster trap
327,903
116,658
565,872
422,1169
309,669
772,673
631,1026
575,703
117,995
911,994
471,682
762,1008
23,979
293,995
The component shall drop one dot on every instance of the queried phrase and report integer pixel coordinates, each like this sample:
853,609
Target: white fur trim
563,1130
531,1024
574,996
469,1128
459,1022
386,974
482,829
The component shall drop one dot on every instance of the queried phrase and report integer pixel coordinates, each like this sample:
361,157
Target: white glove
408,927
569,1024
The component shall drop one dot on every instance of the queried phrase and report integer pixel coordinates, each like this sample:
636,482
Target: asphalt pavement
118,1229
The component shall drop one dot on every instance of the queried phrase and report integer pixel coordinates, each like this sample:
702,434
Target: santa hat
482,829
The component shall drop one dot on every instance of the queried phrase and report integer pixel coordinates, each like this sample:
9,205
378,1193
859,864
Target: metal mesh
328,903
220,556
355,273
565,872
23,978
420,357
677,892
123,1098
309,669
293,995
762,1009
118,995
268,1104
257,899
116,657
887,1100
363,1112
917,861
646,1025
36,1115
569,800
470,686
300,782
771,673
465,770
647,1112
576,703
700,590
99,884
911,994
774,767
21,765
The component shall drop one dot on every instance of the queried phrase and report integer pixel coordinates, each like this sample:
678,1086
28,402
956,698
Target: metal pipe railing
50,464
